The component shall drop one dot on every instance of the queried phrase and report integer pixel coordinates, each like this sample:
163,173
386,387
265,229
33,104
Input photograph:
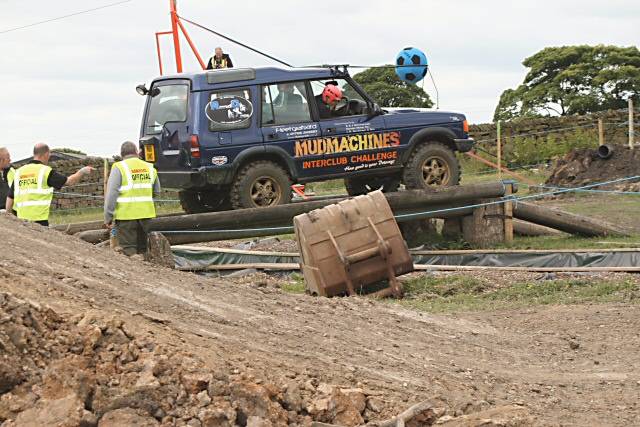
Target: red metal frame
158,47
175,25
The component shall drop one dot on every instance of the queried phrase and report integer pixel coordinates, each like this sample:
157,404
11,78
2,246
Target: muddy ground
551,365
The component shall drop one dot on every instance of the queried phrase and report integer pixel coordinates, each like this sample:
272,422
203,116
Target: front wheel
261,184
431,165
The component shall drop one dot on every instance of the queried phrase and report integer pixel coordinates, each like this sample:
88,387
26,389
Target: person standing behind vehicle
7,172
33,185
129,199
219,60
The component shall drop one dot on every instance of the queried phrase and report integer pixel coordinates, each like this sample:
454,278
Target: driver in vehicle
328,100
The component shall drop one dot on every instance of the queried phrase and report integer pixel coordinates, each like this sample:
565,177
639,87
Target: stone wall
616,128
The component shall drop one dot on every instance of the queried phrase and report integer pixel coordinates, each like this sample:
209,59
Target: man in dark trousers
219,60
7,172
129,200
33,184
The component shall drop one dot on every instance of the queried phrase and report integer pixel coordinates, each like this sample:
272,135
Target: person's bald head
41,152
5,158
128,149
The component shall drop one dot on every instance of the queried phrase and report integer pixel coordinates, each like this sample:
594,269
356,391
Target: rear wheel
364,185
261,184
431,165
204,201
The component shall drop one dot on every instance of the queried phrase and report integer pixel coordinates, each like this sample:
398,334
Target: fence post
508,214
499,150
600,131
631,131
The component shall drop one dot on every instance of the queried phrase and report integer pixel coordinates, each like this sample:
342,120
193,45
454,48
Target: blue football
411,65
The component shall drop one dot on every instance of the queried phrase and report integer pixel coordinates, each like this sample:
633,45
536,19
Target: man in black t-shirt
219,60
6,175
55,180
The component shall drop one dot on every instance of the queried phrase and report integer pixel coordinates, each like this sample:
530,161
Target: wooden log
159,250
283,214
565,221
258,222
421,267
524,228
484,228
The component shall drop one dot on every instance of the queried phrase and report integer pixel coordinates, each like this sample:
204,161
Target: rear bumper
200,178
464,145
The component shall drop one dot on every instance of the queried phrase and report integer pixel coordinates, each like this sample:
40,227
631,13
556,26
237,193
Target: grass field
464,293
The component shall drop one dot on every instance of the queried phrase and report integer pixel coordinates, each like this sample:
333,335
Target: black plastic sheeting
196,259
529,259
191,258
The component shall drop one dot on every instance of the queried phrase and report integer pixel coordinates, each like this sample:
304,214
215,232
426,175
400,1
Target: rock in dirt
501,416
127,417
341,407
66,412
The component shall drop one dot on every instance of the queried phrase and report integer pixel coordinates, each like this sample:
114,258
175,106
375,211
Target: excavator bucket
351,247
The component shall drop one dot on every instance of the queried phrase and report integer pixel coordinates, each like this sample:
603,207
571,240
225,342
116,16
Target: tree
384,86
573,80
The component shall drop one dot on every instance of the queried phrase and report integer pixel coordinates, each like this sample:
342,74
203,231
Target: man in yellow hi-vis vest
33,184
7,172
129,200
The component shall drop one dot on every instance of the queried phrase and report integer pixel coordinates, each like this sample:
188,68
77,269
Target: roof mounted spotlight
142,90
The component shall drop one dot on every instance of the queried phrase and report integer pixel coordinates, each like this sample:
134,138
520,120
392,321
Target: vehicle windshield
169,105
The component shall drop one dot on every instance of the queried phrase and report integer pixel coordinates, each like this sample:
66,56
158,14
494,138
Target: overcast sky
71,82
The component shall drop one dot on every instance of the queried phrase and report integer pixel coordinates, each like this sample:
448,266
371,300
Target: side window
285,103
352,103
229,110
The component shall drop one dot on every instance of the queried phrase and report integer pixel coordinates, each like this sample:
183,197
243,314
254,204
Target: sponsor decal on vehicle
229,110
355,162
359,142
219,160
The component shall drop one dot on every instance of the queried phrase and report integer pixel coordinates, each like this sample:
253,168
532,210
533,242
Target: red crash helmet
331,94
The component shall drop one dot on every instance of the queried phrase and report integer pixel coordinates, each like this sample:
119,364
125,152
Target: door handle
331,130
272,136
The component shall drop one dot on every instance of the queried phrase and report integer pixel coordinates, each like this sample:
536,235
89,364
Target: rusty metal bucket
348,247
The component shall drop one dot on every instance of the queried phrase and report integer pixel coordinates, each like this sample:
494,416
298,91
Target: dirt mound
86,371
130,343
583,166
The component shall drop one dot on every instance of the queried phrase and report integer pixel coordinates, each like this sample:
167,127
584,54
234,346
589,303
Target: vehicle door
165,125
355,141
231,125
287,125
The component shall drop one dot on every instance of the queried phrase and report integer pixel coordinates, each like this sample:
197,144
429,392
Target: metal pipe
176,35
193,47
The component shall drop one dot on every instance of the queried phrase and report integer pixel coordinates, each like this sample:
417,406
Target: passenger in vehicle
286,95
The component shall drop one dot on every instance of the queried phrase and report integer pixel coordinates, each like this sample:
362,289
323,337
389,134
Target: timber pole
565,221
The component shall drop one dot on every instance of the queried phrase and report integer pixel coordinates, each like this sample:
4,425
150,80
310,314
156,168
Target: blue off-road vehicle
239,138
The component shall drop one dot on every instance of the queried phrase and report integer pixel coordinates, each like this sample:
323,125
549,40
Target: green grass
97,213
296,286
571,242
464,293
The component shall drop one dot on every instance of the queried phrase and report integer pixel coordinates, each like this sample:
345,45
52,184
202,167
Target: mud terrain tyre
259,185
199,202
432,164
363,185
